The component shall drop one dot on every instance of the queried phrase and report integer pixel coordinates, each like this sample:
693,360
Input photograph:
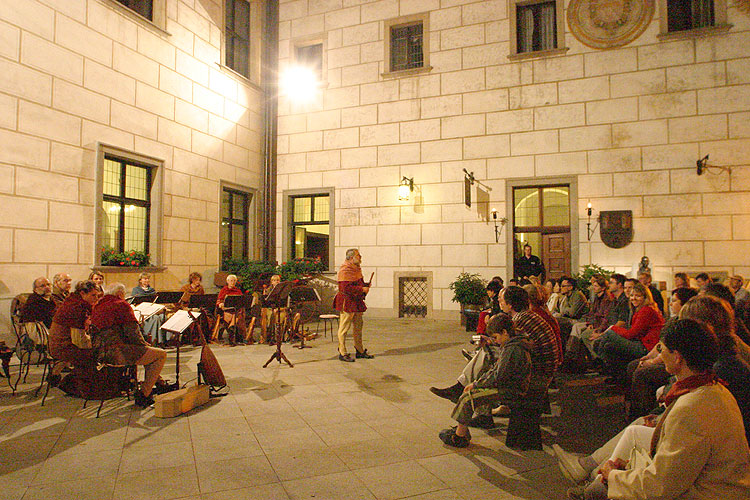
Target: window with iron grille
235,215
237,36
536,26
143,7
406,47
126,203
310,227
689,14
412,296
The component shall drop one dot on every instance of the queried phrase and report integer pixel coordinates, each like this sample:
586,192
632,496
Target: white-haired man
350,302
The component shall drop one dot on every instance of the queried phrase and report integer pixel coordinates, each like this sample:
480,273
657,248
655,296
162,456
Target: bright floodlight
299,83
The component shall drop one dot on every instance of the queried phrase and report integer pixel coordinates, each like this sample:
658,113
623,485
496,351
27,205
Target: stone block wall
79,72
628,124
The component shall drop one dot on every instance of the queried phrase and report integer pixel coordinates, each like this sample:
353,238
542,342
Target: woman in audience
552,286
117,340
68,340
144,286
618,346
733,365
645,375
724,293
97,278
193,287
695,450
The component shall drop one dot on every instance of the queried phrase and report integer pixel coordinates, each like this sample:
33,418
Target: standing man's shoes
364,355
346,357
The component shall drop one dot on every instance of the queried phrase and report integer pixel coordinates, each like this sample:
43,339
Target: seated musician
193,287
97,278
117,340
60,288
266,316
39,306
151,325
234,318
69,324
144,286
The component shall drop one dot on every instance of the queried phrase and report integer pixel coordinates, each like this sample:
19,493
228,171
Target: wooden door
556,254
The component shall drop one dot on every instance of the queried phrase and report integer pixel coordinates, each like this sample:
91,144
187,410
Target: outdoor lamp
589,231
299,83
405,188
502,224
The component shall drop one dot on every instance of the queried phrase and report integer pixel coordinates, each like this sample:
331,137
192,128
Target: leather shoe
569,465
482,422
364,354
348,358
451,393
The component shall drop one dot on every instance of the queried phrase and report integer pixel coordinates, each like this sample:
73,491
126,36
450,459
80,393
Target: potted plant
469,291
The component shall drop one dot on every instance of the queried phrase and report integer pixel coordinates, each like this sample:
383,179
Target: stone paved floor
323,429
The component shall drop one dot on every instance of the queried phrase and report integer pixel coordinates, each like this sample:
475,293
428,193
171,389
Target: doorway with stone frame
541,215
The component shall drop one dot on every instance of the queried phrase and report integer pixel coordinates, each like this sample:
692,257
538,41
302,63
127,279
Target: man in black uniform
529,265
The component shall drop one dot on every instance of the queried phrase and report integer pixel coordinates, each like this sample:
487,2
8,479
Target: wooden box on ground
178,402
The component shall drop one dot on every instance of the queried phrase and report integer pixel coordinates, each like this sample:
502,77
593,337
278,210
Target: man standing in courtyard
529,265
350,302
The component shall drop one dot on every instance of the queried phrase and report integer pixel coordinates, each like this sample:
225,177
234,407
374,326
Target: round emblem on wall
605,24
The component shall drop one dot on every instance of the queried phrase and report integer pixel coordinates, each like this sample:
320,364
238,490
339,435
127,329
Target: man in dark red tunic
350,301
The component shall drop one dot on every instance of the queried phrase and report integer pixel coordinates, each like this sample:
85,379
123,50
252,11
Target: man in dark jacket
529,265
39,306
505,381
350,302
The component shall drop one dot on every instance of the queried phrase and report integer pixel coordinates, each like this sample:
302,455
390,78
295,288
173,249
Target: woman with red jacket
618,346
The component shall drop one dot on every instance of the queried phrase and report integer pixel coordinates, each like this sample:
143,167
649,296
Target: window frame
559,24
122,200
309,42
720,25
249,205
398,22
287,221
255,29
158,12
155,214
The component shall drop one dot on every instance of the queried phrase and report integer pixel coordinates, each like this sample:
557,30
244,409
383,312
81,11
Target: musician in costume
193,287
234,318
350,302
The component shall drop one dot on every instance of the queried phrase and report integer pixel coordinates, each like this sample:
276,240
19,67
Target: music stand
298,296
275,299
204,303
168,297
137,299
178,323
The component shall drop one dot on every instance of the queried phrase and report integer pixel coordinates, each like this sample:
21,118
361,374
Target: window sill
239,76
406,72
694,33
117,6
538,54
124,269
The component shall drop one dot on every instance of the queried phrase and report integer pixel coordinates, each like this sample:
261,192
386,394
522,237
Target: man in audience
681,280
537,301
39,306
736,285
60,288
645,278
571,307
628,286
703,281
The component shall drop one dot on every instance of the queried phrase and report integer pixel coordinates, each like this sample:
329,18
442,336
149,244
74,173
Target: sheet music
179,321
145,310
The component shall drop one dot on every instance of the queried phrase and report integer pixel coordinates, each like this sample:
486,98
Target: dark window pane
126,205
142,7
239,236
237,36
234,230
536,27
226,204
688,14
406,47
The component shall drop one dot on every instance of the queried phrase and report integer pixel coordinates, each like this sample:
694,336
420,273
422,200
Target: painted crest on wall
605,24
616,227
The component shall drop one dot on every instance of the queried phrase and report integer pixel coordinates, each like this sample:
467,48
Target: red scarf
349,272
111,311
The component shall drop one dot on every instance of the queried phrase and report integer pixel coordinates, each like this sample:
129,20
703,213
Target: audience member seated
61,283
618,346
144,287
572,306
596,317
39,306
645,375
580,346
537,301
117,340
644,278
506,379
741,299
696,449
493,289
703,280
234,319
68,340
193,287
723,293
97,278
681,280
732,367
552,286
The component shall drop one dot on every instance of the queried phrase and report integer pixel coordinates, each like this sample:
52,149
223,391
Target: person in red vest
350,302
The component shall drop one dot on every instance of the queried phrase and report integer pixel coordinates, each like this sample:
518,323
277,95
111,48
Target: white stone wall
78,72
628,123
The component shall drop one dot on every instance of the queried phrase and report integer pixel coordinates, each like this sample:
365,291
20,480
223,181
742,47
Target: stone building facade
83,79
622,128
